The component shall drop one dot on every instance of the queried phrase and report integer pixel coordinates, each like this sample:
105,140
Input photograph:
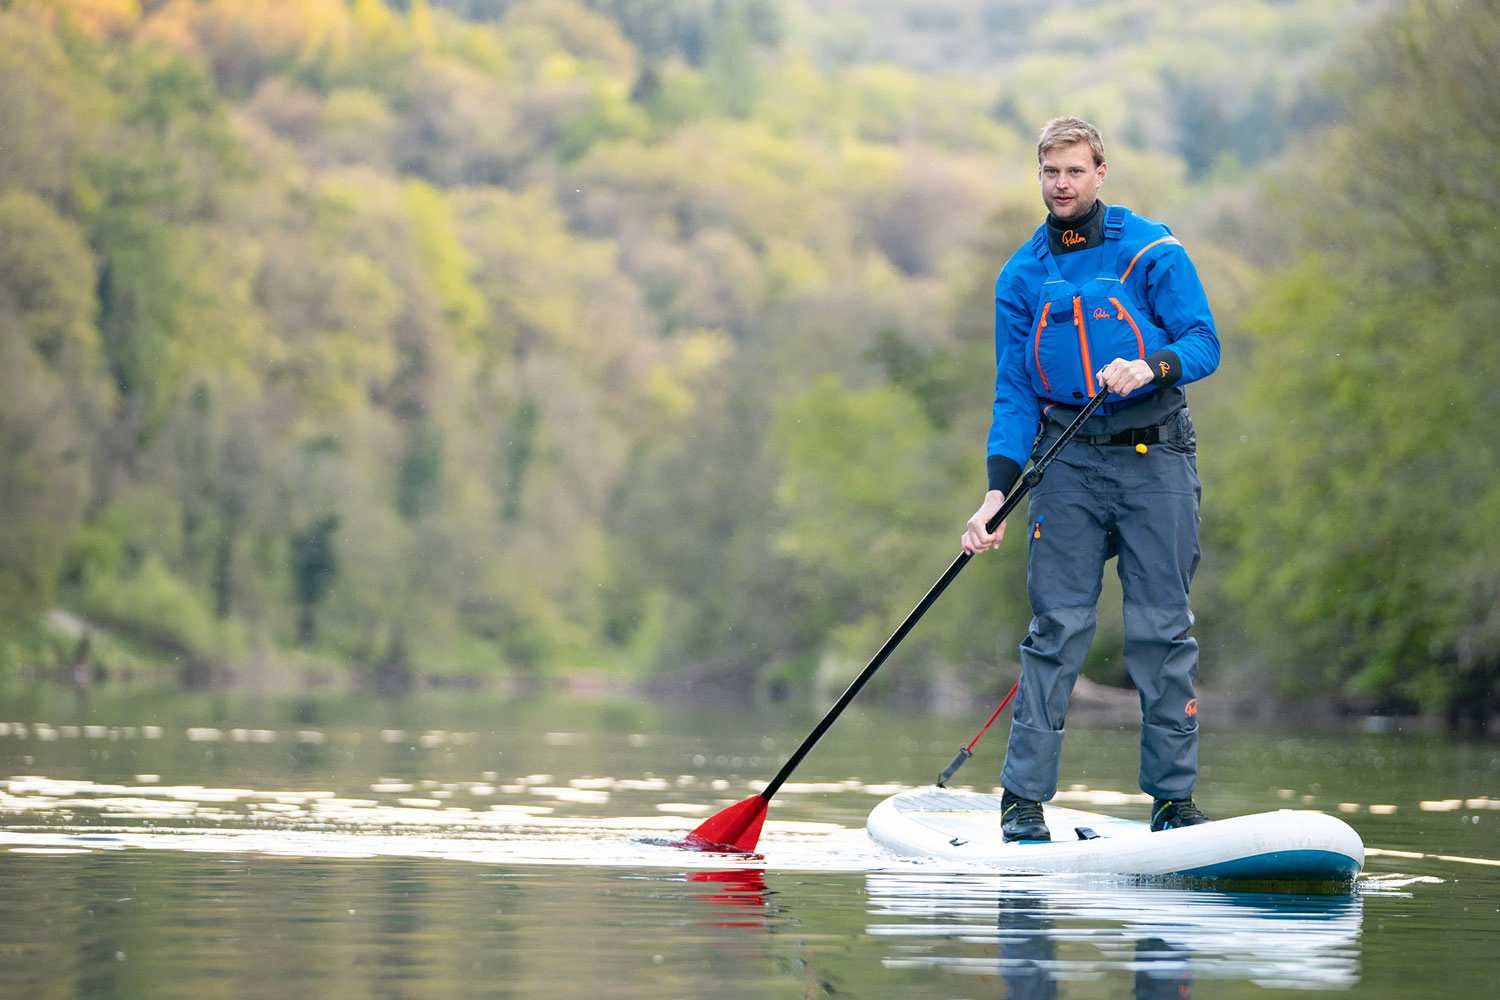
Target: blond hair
1062,132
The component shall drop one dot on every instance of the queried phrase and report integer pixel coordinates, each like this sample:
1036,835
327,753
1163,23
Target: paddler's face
1070,181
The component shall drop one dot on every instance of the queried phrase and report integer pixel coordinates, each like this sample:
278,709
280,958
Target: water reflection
1031,968
1037,933
738,899
459,848
1028,952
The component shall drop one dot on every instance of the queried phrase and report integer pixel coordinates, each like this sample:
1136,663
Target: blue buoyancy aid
1080,328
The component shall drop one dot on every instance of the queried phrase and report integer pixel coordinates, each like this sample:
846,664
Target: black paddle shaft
1030,479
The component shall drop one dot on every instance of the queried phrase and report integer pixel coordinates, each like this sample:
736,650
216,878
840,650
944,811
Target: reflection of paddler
1028,958
1027,949
1161,972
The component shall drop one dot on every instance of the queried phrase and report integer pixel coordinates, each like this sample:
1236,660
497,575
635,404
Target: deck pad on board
975,816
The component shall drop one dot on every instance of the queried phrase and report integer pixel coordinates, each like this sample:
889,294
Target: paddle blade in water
736,828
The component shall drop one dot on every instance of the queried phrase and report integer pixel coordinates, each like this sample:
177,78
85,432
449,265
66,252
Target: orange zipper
1083,344
1139,343
1037,345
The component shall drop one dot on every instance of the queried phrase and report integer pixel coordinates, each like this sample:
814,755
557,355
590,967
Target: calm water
223,846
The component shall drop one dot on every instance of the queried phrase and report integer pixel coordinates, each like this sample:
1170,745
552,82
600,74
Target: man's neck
1076,234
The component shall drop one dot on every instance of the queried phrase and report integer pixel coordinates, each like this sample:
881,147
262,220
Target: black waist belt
1134,436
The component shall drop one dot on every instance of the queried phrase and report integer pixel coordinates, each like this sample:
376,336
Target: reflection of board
1044,929
965,826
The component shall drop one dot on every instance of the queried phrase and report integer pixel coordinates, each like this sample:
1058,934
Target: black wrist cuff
1166,368
1003,473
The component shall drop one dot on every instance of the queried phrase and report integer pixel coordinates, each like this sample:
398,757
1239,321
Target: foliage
515,335
1365,509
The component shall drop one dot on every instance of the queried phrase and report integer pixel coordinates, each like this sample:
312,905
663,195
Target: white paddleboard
949,824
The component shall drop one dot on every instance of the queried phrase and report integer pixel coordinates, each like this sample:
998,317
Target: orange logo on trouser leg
1192,707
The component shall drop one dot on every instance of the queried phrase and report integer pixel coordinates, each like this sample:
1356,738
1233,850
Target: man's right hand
977,537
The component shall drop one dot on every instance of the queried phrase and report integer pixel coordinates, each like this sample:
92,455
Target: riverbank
66,651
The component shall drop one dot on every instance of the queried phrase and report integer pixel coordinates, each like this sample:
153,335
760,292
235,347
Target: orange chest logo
1101,314
1072,238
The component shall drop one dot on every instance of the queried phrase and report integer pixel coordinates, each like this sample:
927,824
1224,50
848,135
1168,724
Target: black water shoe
1169,814
1021,819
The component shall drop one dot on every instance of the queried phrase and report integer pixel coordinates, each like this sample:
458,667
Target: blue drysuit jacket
1141,268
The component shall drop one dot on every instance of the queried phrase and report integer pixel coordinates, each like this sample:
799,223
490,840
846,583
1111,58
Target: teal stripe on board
1283,865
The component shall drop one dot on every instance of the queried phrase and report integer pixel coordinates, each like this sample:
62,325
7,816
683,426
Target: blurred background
646,347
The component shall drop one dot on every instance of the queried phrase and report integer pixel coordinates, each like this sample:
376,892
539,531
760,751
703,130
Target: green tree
730,67
1367,516
314,566
419,482
53,398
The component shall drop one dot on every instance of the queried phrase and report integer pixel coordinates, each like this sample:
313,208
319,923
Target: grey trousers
1096,503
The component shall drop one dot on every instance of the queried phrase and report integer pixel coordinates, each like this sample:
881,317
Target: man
1099,284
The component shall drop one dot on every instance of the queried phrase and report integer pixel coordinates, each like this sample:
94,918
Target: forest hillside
480,341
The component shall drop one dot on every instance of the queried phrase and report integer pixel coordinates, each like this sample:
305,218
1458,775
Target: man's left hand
1124,377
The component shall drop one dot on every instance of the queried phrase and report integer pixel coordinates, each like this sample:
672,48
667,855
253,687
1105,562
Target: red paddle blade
736,828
